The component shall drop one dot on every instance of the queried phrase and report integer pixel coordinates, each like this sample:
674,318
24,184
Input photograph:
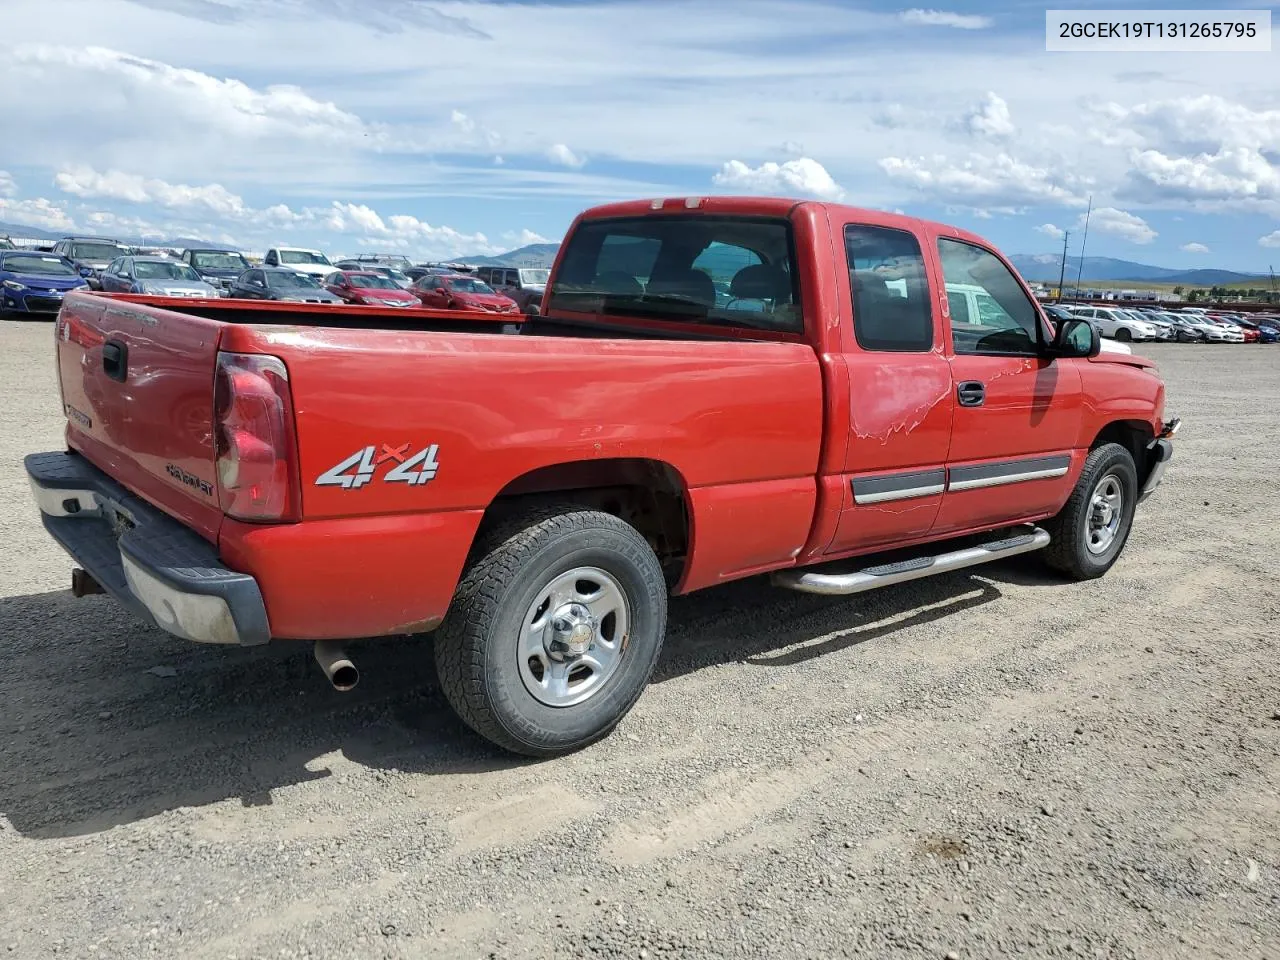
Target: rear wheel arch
649,495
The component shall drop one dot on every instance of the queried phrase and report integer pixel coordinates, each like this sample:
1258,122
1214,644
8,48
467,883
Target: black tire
1068,551
476,645
1123,335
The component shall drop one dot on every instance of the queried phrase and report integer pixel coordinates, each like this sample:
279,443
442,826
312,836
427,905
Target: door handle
971,393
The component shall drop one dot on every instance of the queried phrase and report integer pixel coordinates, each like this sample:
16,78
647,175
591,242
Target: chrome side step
808,580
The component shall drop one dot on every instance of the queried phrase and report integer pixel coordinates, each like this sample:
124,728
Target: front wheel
554,630
1123,335
1091,530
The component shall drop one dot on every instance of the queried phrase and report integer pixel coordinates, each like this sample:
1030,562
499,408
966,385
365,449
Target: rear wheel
1091,530
554,630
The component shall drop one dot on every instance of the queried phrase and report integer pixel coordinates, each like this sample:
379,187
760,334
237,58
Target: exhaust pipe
83,584
342,673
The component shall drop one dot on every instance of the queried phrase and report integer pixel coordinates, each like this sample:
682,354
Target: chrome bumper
146,560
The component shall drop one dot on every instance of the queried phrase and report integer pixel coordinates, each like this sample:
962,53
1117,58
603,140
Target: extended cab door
900,391
1017,411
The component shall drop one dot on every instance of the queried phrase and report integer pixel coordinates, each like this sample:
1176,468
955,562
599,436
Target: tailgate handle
115,360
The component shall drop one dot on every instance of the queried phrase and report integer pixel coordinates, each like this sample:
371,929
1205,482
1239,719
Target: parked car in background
1059,314
1183,330
280,283
1215,332
34,283
90,255
391,273
461,292
368,287
299,259
524,285
160,276
1164,329
1117,323
397,260
1234,320
217,266
6,244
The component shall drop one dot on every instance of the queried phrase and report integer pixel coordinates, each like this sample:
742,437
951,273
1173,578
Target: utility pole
1272,298
1062,274
1083,241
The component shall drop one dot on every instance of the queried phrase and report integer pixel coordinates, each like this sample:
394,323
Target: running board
871,578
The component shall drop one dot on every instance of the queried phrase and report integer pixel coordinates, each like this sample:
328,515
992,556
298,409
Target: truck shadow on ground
107,722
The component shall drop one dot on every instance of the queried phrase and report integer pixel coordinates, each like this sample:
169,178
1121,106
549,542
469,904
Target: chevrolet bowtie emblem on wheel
359,468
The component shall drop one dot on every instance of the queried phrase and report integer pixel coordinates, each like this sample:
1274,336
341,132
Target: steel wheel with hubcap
574,635
1091,529
554,629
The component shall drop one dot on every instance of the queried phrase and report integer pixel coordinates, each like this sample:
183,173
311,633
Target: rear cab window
722,271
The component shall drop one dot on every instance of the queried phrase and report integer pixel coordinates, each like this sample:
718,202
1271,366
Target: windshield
303,256
534,278
35,265
287,278
219,260
389,272
467,285
154,270
373,281
721,270
96,251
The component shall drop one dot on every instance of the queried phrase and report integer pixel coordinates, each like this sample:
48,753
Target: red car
367,287
460,292
719,387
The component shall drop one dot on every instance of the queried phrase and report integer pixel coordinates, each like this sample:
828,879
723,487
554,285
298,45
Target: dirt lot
995,764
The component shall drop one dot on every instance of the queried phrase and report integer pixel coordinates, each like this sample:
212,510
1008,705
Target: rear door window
891,306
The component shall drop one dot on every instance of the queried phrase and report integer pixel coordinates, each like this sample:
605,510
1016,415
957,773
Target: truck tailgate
137,390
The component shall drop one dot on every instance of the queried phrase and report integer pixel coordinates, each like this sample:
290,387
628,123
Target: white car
1214,332
1117,323
299,260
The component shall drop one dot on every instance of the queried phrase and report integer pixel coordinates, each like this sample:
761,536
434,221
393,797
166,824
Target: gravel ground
994,764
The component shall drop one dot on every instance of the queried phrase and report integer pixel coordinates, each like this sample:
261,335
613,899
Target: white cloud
524,237
1119,223
804,176
37,212
945,18
403,230
1051,231
1233,175
561,154
84,181
8,186
462,121
1000,180
1194,248
1270,240
991,118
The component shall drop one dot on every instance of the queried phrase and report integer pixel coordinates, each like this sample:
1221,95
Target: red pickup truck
715,388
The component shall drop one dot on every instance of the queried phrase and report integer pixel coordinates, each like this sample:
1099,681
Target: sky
447,128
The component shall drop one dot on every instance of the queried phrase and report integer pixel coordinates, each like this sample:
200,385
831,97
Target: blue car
33,284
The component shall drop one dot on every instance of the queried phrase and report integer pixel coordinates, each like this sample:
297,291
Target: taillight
254,439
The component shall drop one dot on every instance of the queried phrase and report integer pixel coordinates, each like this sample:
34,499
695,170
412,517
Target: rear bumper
152,564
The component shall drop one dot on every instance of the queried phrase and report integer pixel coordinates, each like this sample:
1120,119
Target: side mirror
86,271
1076,338
442,290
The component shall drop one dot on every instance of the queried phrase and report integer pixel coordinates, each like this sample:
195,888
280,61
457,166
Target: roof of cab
768,207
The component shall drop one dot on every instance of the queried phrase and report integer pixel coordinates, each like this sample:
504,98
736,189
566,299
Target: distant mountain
1046,267
533,255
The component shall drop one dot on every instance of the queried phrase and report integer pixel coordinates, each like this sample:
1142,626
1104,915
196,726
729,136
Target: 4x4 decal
359,468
